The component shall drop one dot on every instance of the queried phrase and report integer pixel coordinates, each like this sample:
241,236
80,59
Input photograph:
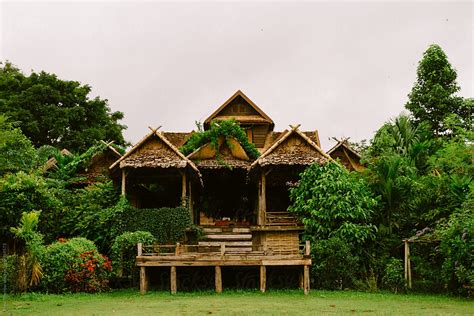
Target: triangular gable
247,109
154,150
208,152
343,144
293,147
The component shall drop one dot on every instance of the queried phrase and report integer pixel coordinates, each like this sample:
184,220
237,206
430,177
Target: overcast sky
342,68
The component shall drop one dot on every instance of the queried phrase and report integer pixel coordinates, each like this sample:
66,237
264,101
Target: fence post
139,249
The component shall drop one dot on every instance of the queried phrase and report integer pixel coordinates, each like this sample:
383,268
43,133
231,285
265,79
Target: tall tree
433,97
56,112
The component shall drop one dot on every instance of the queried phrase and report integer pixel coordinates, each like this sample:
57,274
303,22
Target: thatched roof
292,147
178,139
348,156
259,117
154,151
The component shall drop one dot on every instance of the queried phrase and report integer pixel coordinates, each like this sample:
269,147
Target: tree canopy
56,112
433,96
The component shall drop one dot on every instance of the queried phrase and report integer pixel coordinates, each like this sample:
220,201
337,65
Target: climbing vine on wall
227,129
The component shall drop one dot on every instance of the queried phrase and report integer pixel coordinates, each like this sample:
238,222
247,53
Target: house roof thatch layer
292,147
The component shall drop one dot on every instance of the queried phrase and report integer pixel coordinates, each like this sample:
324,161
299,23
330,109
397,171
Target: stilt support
263,279
173,286
143,280
218,279
306,279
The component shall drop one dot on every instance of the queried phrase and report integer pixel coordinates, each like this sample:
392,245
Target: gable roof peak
237,94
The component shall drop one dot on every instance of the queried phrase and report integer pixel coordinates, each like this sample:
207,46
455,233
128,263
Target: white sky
340,67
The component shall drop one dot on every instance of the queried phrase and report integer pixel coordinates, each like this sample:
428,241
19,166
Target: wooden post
191,211
183,188
222,249
143,280
139,249
263,279
262,199
301,281
307,248
218,279
173,286
306,280
124,181
177,251
407,264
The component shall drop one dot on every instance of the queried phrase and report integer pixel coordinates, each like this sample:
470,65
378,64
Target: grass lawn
130,302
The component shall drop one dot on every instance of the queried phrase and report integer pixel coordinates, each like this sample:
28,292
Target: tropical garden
417,184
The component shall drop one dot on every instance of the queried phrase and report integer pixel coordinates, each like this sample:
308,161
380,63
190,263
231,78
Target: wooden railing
280,219
223,250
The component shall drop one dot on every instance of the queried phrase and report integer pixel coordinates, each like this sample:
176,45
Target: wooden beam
173,285
124,181
218,279
262,199
191,210
143,280
183,188
301,280
306,279
263,279
307,248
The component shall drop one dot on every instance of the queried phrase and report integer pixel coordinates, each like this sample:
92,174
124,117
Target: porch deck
226,254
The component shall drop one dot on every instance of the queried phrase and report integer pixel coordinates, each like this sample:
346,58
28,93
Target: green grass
130,302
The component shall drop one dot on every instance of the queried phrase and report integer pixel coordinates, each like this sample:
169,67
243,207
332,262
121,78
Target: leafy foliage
393,275
432,97
334,203
226,129
16,151
57,112
23,192
124,251
333,264
26,231
65,265
457,247
167,224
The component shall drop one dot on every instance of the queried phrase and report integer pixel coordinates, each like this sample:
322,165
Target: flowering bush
75,265
89,274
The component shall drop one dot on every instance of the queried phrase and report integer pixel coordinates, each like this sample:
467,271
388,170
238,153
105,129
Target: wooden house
347,156
240,203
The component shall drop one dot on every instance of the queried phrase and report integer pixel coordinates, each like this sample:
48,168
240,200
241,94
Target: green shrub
166,224
124,252
10,268
334,264
457,248
393,275
64,258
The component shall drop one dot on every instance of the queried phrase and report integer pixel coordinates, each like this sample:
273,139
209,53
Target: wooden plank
173,285
143,280
218,279
230,237
241,229
306,280
227,243
263,279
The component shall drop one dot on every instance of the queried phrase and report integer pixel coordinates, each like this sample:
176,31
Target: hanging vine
227,129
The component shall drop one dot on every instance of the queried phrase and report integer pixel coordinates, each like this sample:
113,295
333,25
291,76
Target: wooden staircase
236,239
